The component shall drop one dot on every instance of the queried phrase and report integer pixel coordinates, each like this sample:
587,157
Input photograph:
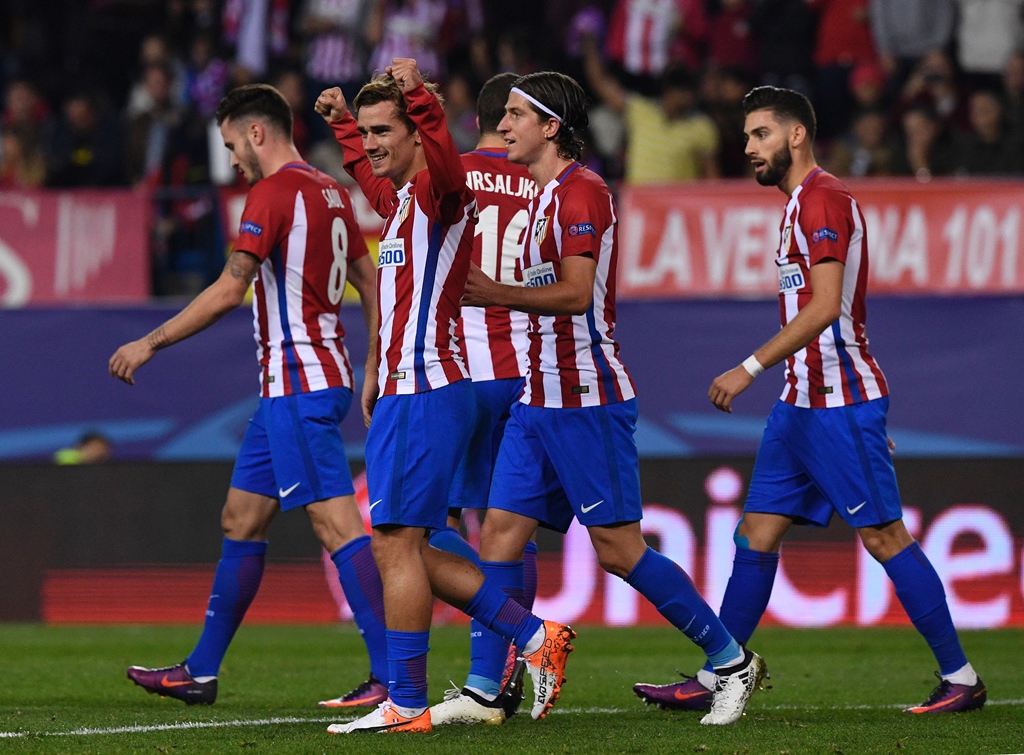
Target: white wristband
752,366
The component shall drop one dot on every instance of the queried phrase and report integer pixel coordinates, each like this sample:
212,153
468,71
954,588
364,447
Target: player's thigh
306,447
336,521
850,462
524,481
412,448
594,454
472,482
780,483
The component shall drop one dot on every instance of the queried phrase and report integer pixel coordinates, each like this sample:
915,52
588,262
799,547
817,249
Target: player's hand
331,105
406,73
370,390
728,386
892,446
480,290
129,358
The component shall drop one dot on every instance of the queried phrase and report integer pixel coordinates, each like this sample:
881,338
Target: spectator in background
929,147
154,51
23,106
934,82
646,36
784,31
460,111
730,42
92,448
723,91
843,42
257,30
866,149
867,86
337,47
904,30
988,32
1013,93
667,139
22,164
408,29
989,149
207,75
292,87
149,132
86,146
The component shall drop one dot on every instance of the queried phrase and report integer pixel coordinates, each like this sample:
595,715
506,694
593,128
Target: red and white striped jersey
823,222
573,360
300,225
335,56
495,337
644,36
425,250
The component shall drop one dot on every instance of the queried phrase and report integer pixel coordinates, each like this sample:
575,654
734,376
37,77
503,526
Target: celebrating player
300,242
400,152
495,344
568,448
825,447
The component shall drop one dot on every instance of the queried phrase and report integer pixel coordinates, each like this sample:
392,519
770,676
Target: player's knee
741,540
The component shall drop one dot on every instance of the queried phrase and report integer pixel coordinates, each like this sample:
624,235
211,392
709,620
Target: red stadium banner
718,238
70,247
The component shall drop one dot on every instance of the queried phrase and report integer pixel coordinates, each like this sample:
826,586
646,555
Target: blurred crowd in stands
121,92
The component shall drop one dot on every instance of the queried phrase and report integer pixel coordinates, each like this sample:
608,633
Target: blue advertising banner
953,366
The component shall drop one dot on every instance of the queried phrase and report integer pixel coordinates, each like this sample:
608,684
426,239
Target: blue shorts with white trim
813,462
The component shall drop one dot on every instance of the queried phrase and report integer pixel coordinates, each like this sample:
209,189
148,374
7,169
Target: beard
776,168
251,163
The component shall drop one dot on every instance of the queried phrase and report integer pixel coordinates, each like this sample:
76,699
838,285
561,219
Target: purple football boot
688,694
176,682
952,698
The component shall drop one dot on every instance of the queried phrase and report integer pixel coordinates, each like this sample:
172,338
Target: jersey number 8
339,268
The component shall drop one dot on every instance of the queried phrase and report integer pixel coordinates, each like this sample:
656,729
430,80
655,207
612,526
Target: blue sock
661,581
407,668
920,591
502,615
530,574
748,592
448,539
488,651
360,580
235,584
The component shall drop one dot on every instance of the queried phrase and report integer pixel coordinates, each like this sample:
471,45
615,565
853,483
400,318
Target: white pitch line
187,725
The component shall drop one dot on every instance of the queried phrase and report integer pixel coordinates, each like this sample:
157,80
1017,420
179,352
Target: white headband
539,104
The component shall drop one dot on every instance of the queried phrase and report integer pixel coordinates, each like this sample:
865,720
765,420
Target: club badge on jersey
540,229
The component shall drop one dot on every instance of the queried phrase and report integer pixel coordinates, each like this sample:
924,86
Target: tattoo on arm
241,267
158,339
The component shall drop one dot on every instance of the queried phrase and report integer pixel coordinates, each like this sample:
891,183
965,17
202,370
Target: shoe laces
362,689
940,691
453,692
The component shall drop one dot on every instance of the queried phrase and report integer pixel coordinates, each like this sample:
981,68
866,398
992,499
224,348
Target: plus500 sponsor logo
392,253
540,275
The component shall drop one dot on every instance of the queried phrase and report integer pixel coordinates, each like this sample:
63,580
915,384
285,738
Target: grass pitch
834,691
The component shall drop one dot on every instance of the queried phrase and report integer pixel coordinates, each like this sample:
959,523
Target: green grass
834,691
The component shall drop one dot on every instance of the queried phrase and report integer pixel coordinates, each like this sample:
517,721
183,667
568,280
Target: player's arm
222,296
821,311
572,295
362,274
379,192
444,163
604,84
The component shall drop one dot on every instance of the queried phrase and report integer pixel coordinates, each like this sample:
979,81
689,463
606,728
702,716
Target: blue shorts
292,450
813,462
556,464
472,483
412,449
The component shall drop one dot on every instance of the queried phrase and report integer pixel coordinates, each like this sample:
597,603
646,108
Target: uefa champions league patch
249,227
824,233
582,229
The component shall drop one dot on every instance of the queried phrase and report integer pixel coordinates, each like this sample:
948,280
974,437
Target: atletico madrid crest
540,229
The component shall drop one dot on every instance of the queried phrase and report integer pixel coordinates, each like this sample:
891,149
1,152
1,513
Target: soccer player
568,448
825,447
300,242
399,150
495,349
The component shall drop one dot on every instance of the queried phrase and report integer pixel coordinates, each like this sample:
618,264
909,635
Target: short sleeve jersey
823,222
299,223
495,337
573,360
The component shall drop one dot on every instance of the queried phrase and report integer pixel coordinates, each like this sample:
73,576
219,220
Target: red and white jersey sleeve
299,223
495,337
573,360
823,222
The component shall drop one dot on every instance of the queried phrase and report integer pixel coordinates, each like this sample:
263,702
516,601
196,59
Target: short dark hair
260,101
563,95
490,104
786,104
384,88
